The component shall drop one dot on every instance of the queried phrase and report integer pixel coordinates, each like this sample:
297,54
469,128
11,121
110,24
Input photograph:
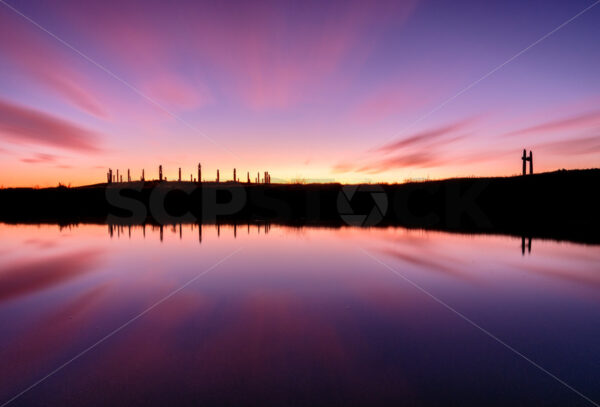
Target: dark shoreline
561,205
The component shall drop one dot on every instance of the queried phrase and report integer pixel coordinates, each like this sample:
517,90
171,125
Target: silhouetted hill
560,205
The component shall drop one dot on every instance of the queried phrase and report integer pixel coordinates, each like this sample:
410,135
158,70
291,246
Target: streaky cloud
574,146
39,158
577,122
37,57
424,137
25,125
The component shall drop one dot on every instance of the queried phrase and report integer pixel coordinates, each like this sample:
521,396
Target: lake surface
99,315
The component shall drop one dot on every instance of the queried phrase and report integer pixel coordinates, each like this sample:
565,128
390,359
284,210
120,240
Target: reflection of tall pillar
110,230
161,233
129,230
180,232
144,230
234,230
523,245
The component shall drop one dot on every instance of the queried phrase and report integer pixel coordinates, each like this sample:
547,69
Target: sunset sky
346,91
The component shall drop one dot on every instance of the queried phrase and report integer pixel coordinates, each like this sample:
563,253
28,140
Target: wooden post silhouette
199,173
128,175
117,175
525,159
109,176
217,175
234,177
179,174
160,177
143,176
248,177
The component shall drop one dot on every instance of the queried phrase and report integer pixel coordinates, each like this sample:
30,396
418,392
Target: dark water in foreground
295,317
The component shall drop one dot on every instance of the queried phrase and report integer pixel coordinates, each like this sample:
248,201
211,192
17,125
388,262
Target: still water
93,315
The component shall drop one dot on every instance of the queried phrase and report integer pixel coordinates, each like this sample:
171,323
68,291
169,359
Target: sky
347,91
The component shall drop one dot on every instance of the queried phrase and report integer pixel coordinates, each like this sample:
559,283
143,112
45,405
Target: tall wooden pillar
530,162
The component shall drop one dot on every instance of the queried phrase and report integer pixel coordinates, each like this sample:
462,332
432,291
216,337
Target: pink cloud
285,65
35,54
342,168
418,150
21,124
414,159
578,122
173,90
396,97
382,105
574,146
266,54
39,158
425,137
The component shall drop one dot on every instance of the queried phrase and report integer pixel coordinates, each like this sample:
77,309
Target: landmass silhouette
562,205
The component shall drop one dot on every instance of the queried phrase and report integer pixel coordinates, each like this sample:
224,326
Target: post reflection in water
523,245
178,229
299,317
